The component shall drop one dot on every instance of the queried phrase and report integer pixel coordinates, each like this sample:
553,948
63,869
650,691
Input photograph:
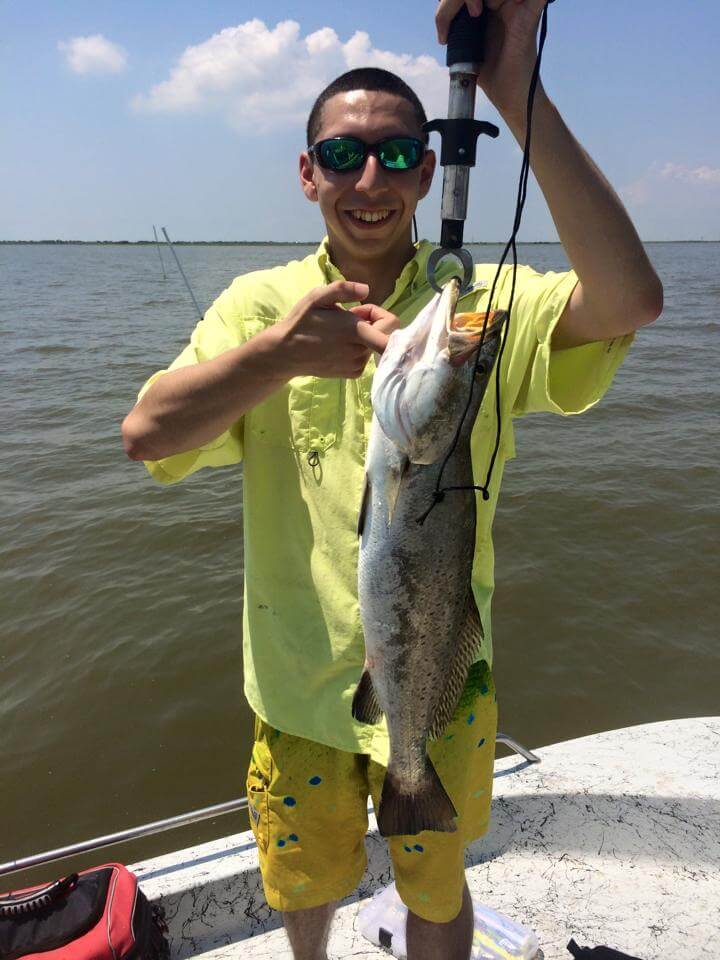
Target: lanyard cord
439,492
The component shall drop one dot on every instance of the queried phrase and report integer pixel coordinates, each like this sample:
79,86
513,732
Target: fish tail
427,807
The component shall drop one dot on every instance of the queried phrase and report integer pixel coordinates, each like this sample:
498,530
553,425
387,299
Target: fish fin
365,706
363,506
469,642
393,487
428,808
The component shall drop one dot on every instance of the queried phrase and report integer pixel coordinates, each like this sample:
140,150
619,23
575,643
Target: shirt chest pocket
305,416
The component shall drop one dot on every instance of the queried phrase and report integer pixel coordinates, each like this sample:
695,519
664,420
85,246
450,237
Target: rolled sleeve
211,337
567,381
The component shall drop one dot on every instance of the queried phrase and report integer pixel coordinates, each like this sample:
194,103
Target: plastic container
496,937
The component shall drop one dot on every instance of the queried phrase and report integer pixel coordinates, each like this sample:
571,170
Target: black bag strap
33,900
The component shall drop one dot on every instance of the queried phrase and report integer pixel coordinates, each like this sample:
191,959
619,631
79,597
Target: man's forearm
190,406
598,236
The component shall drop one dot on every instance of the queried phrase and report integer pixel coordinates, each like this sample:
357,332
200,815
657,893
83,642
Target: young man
278,375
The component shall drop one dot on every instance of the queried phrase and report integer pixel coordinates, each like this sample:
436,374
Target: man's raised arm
619,290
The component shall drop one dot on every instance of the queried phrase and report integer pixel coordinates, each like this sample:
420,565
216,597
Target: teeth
370,216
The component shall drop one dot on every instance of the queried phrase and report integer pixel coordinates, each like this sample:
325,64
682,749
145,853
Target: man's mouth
370,217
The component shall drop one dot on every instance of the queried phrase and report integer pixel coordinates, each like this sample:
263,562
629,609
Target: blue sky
104,137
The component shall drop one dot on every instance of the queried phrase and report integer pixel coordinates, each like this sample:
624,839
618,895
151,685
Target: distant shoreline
281,243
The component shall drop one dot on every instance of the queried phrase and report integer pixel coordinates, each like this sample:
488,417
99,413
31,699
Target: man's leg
308,931
451,941
308,810
430,866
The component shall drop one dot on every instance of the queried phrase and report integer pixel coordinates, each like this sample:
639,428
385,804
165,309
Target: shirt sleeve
567,381
211,337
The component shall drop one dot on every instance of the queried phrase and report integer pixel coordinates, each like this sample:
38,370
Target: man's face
370,116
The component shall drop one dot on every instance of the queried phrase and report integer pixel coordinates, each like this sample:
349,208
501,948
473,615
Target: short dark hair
364,78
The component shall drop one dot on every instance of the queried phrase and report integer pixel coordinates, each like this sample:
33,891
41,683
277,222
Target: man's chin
363,244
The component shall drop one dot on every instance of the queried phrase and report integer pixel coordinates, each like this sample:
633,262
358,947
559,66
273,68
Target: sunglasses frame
368,148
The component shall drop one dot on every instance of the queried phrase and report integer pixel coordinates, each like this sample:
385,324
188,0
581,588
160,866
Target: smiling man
278,374
368,189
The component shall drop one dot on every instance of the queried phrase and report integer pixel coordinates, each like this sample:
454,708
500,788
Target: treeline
177,243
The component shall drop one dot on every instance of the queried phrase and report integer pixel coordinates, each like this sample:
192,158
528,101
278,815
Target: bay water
121,601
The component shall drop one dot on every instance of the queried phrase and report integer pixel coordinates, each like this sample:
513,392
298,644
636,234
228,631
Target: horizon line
306,243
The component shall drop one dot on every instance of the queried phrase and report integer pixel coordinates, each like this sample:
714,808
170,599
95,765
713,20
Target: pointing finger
340,291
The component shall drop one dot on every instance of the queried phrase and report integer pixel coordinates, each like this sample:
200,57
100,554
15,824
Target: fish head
424,378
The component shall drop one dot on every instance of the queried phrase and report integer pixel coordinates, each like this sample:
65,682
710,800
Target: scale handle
466,38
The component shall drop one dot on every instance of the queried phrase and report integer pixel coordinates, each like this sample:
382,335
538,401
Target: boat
611,838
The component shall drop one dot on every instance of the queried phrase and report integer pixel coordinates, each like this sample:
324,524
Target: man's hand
321,339
510,47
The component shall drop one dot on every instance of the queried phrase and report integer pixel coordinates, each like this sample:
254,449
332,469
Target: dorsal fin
469,641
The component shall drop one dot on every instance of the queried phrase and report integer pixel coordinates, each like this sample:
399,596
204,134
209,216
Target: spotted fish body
421,625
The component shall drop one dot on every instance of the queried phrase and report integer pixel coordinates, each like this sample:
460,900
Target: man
279,375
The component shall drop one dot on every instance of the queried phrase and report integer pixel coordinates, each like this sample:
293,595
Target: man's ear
306,170
427,169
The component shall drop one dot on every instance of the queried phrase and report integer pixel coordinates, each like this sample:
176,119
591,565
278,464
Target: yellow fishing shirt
303,453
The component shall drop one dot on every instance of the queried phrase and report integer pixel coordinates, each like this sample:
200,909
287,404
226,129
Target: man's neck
380,275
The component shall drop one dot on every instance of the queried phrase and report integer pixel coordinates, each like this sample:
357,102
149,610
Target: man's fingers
339,291
371,336
380,318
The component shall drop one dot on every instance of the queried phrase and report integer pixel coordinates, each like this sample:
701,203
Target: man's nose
372,177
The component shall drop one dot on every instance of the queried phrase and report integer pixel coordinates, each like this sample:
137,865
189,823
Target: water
120,664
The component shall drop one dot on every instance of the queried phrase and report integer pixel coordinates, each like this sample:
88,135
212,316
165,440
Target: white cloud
637,193
702,175
93,54
258,78
653,185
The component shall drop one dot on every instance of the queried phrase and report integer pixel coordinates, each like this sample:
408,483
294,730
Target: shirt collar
413,274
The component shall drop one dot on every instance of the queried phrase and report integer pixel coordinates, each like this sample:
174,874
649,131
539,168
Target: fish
421,625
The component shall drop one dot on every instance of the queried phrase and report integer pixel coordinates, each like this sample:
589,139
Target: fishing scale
459,133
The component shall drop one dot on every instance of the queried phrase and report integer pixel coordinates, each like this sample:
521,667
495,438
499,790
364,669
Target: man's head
370,105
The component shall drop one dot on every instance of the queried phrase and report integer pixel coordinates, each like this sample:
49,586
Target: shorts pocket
258,795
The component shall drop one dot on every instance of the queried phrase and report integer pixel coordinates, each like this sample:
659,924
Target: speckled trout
421,625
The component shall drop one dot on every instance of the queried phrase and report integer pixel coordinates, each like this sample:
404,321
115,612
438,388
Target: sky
121,115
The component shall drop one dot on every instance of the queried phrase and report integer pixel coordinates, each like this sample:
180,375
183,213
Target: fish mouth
465,331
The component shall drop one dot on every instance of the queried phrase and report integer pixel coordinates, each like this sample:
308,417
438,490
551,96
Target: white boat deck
612,839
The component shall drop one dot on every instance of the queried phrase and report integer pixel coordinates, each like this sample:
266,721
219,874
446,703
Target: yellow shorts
308,811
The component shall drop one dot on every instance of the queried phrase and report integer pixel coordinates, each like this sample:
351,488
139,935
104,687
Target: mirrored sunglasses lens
400,154
342,154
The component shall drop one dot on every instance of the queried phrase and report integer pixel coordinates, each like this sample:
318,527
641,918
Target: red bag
97,914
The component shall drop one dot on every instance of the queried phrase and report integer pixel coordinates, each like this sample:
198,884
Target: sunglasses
345,154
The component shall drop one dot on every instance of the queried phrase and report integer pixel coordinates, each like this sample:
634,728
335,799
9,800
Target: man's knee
309,912
466,906
308,930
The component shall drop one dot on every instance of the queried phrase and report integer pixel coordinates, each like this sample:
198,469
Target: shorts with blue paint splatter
308,811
